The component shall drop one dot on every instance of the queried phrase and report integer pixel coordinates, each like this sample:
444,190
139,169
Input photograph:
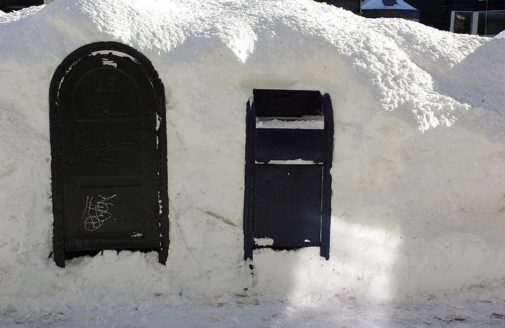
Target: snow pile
416,210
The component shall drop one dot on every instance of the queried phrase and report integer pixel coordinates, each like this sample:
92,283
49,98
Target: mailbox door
288,204
109,156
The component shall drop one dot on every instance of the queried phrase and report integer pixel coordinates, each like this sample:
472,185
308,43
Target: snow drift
418,169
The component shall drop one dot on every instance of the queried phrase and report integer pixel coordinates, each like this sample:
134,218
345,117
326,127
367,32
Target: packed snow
418,172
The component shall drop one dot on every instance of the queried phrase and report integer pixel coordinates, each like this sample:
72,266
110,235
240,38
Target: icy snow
418,170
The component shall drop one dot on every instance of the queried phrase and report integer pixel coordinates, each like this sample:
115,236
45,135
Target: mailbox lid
287,103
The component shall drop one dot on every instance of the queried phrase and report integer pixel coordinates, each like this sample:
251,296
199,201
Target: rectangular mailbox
289,149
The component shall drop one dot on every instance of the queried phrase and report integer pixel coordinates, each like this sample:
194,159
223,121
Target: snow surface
418,169
251,313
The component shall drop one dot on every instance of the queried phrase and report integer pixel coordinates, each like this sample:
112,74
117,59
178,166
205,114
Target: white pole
453,15
475,23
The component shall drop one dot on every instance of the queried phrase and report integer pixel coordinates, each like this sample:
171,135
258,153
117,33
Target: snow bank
416,210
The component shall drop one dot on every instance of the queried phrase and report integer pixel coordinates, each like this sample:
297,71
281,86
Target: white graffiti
97,211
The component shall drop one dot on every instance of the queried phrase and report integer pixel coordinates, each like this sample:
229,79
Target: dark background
436,13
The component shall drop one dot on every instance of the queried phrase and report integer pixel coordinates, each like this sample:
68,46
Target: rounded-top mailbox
108,146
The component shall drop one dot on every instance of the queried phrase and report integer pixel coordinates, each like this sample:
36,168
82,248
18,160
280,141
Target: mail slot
108,147
289,150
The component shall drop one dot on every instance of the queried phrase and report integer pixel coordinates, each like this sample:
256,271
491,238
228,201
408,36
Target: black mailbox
289,150
108,146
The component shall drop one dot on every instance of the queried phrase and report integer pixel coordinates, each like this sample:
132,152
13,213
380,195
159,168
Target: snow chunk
297,161
316,124
264,241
